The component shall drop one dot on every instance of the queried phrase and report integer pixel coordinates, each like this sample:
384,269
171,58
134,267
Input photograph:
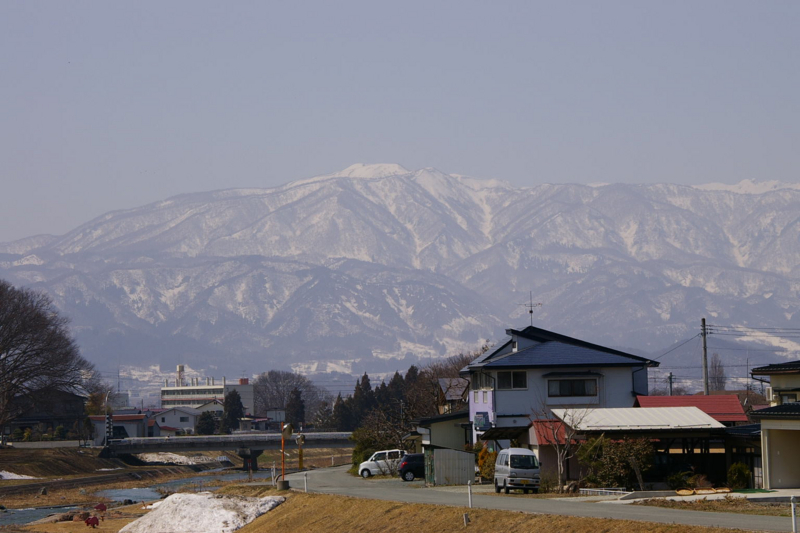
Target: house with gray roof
535,371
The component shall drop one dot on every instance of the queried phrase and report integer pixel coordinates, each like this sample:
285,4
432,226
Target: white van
382,462
516,468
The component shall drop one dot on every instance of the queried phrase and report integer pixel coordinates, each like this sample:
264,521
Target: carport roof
636,419
506,433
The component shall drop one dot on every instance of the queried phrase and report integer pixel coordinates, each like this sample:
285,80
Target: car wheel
365,473
408,476
505,487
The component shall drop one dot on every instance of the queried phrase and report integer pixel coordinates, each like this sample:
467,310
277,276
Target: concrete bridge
248,445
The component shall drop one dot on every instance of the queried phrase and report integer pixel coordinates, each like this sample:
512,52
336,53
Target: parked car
516,468
382,462
412,466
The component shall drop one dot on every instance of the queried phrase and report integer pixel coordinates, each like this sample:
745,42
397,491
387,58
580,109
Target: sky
112,105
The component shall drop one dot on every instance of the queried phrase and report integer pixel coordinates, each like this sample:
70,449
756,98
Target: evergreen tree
324,417
296,409
205,424
232,411
343,414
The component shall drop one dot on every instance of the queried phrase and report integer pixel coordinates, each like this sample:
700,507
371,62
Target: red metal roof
549,430
722,408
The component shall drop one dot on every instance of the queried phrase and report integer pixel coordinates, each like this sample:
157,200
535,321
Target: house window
162,419
512,380
572,387
184,419
485,397
788,398
475,396
481,381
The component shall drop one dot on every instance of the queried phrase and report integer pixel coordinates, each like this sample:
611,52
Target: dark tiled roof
442,418
542,335
778,368
559,354
786,410
749,430
453,388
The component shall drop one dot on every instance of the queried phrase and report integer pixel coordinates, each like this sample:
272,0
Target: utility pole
704,332
669,380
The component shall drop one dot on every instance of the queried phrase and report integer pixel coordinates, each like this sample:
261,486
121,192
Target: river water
210,481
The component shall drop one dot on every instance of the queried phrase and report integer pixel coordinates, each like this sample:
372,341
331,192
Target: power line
676,347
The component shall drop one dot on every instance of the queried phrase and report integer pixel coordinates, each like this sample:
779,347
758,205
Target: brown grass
728,505
115,520
310,513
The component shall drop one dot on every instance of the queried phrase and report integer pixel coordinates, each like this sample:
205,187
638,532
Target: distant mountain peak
379,170
749,186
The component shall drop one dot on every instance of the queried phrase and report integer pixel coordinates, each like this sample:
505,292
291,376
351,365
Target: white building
537,370
202,391
184,418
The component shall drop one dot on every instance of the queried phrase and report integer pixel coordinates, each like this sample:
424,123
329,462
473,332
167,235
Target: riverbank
310,513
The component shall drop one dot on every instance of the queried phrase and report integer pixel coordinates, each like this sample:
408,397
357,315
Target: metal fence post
469,491
794,514
305,481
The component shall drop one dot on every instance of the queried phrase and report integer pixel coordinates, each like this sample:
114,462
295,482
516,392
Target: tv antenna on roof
530,306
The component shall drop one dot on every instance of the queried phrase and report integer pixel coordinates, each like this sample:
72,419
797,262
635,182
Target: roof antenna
531,305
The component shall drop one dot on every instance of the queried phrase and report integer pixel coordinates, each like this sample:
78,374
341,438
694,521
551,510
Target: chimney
212,381
207,381
244,381
166,383
223,381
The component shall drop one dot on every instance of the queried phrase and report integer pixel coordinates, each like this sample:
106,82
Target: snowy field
203,512
165,457
10,475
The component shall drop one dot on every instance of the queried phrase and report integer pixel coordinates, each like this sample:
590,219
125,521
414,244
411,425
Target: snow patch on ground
10,475
165,457
203,512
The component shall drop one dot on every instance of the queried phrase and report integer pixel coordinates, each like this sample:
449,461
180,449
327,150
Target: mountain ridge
385,266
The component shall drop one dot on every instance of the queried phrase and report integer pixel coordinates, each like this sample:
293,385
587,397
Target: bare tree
273,389
37,353
561,435
716,374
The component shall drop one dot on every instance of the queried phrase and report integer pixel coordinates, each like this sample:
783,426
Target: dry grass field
728,505
312,513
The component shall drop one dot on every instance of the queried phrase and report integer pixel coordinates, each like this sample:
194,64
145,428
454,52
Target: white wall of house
178,418
612,387
780,440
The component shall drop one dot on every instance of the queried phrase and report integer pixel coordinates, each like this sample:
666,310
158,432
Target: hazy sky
110,105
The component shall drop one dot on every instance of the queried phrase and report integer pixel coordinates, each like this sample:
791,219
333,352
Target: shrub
678,480
738,476
17,434
28,435
698,481
548,483
486,460
60,432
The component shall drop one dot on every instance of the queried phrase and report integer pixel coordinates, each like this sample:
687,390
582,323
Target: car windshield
523,461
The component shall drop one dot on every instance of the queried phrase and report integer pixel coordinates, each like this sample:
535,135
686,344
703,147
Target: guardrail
254,441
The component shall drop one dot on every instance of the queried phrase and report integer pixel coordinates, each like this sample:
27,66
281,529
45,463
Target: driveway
336,480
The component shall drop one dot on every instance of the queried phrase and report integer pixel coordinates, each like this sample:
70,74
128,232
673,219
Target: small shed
444,466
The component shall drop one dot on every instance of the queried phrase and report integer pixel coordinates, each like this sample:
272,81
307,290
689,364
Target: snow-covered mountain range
375,267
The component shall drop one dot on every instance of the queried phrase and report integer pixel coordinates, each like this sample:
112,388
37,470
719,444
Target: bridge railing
230,440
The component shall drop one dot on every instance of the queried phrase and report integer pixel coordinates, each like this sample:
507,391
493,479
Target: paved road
338,481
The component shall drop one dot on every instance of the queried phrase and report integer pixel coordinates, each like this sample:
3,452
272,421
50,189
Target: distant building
200,392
